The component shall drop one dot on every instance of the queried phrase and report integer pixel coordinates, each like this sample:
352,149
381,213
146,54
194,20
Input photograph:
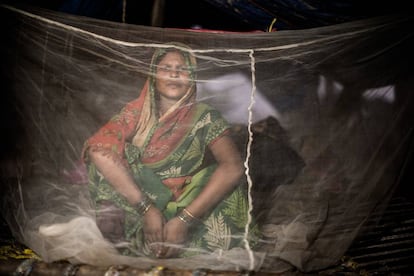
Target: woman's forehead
172,56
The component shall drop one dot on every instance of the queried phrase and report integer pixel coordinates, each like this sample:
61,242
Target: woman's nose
174,73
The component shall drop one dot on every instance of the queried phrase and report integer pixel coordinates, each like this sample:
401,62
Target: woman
151,173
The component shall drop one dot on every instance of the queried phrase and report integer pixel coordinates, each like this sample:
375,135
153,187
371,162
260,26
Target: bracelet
189,214
186,217
144,205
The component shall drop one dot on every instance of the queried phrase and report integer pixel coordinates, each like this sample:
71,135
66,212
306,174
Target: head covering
149,111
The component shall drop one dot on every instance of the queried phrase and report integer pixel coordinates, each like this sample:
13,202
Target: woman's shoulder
204,107
209,113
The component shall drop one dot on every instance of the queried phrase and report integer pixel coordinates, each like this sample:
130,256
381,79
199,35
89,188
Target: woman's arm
116,174
122,181
224,179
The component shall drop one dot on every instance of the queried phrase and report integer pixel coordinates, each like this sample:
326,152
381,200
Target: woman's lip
174,84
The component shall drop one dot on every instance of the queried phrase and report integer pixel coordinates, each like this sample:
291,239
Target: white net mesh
322,117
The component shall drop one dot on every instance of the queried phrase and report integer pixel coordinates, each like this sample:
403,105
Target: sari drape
223,228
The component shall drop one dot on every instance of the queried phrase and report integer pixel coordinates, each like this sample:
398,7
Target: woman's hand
175,235
153,229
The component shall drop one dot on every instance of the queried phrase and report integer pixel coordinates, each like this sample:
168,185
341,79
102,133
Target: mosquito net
321,117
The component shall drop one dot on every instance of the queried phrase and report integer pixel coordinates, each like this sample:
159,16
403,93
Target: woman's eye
167,69
164,69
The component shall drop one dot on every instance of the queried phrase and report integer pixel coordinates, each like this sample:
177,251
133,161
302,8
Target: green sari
168,157
223,228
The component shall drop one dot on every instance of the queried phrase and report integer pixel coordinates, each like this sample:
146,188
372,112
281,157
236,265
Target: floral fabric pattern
223,228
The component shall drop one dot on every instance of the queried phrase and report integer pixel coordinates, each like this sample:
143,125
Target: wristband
186,217
144,205
189,214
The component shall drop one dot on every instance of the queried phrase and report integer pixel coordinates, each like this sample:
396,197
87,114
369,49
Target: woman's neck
165,105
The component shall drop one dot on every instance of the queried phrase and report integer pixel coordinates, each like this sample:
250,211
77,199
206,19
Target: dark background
241,15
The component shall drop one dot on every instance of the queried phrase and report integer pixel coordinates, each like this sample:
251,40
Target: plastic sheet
322,118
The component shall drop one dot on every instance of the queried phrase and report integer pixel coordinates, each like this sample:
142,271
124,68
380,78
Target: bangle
186,217
189,214
144,205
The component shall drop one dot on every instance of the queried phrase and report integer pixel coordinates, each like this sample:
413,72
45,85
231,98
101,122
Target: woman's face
172,77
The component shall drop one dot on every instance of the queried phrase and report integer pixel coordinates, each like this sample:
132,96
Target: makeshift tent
323,118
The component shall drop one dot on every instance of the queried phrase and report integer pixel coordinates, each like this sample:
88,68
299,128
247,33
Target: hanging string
123,10
246,162
271,25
